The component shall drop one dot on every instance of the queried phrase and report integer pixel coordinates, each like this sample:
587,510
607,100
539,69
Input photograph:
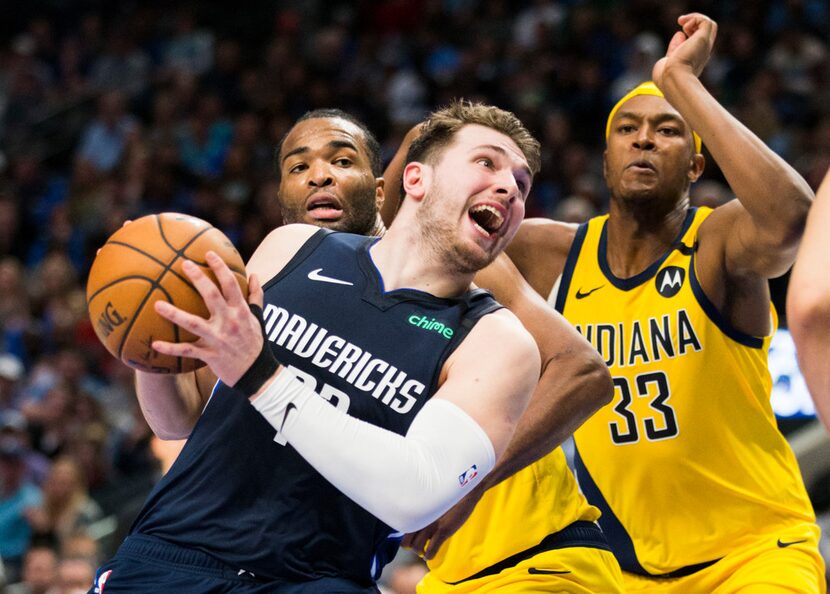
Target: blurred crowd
111,113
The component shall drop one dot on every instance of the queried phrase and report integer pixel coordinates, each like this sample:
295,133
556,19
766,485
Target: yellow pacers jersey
686,462
513,516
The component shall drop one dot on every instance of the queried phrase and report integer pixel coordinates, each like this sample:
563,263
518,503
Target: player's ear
416,179
696,166
380,196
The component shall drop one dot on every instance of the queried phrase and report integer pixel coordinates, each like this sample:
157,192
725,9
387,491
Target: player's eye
343,162
486,161
626,128
299,167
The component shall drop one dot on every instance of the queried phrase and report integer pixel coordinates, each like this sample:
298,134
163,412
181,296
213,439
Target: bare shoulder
277,249
539,251
504,329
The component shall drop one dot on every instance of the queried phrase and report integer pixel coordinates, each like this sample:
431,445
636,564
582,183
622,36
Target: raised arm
761,231
808,303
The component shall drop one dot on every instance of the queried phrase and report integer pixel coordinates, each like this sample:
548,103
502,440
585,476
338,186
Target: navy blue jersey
238,492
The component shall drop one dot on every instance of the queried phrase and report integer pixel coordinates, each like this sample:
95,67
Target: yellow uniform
533,532
686,463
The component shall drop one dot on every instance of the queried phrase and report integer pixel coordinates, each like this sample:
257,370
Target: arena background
109,111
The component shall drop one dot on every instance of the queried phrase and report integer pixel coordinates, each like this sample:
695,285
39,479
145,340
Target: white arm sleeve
405,481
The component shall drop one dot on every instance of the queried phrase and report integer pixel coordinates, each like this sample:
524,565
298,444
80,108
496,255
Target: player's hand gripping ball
142,263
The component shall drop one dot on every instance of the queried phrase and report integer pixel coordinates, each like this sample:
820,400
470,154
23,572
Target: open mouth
486,218
324,207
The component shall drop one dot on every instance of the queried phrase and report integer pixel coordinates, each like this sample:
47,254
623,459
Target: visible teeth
492,219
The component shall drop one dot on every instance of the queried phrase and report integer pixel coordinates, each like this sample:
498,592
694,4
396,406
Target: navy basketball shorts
147,564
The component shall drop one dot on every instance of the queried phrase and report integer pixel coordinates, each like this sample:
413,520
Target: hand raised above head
690,48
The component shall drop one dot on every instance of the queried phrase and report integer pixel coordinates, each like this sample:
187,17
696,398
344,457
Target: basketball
140,264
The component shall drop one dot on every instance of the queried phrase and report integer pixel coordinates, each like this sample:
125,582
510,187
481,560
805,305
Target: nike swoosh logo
784,545
316,276
291,406
537,571
581,295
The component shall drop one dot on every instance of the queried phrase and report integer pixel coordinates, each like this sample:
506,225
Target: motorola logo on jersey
670,280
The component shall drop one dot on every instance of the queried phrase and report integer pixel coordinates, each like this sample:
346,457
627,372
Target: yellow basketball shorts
786,561
572,570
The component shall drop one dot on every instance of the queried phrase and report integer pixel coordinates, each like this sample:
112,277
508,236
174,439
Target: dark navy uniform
244,499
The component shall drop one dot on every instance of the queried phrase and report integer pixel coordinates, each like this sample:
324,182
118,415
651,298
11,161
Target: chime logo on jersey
465,477
669,280
102,579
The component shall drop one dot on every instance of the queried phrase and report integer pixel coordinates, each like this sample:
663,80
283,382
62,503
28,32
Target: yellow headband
646,88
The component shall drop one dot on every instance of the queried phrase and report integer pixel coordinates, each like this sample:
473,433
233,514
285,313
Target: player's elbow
171,427
597,375
586,368
412,515
171,433
787,223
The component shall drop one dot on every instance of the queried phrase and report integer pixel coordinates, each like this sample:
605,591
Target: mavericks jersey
513,516
686,463
239,492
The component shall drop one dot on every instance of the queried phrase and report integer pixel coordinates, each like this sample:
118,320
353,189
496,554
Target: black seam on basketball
115,282
137,249
180,276
203,264
138,309
179,254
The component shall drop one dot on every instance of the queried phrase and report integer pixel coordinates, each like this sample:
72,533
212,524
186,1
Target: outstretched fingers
192,323
226,279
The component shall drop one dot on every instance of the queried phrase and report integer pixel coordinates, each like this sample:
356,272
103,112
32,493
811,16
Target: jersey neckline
376,293
632,282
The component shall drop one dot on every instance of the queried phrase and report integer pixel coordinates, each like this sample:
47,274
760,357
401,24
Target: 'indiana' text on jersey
686,462
238,491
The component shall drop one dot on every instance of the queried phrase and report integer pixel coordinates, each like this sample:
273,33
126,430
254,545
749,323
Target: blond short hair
438,131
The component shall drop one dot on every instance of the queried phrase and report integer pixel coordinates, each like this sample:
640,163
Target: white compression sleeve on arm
405,481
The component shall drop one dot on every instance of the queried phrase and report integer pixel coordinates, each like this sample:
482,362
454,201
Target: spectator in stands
40,572
66,507
75,575
15,429
103,141
17,496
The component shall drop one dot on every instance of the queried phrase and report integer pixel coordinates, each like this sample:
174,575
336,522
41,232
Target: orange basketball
142,263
